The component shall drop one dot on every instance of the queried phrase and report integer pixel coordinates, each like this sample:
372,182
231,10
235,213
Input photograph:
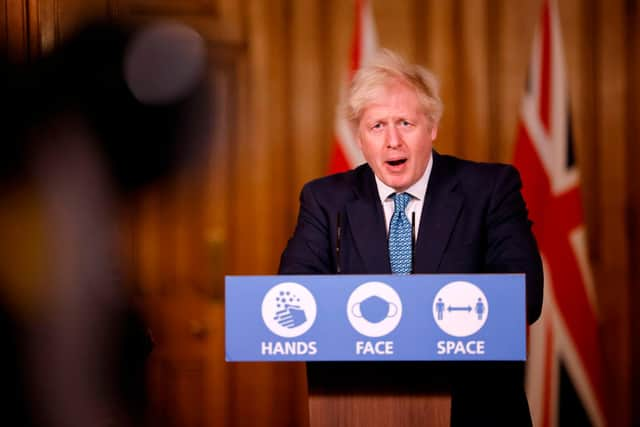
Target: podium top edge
381,275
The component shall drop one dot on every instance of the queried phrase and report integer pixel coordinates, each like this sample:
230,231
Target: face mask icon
374,309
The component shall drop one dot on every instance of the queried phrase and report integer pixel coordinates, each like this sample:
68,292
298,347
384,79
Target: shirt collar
417,190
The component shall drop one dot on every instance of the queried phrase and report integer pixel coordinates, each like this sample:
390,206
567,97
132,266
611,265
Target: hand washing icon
375,309
288,309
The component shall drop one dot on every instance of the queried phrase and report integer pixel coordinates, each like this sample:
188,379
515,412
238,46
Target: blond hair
385,68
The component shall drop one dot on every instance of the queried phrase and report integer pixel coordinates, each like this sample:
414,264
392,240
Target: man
468,217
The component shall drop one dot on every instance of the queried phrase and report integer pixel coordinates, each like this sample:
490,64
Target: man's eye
405,123
377,126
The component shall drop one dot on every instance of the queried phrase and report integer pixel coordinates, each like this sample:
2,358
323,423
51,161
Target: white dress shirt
417,191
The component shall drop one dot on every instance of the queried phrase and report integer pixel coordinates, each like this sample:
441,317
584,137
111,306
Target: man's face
395,136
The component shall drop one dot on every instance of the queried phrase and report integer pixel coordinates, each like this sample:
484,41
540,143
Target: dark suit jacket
474,220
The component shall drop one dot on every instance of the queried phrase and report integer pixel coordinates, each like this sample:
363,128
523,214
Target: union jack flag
564,376
345,151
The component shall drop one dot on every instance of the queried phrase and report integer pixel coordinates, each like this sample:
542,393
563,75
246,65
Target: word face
373,348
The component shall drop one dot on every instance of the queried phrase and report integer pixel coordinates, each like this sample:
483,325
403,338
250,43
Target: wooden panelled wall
277,67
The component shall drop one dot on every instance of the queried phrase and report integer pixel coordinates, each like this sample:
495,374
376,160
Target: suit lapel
439,215
366,222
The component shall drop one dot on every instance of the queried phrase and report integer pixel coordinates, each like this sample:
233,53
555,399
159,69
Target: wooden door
180,253
205,223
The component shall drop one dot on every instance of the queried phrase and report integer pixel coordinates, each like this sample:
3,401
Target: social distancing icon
460,308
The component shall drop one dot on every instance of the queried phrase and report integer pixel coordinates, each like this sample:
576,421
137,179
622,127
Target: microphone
413,242
338,236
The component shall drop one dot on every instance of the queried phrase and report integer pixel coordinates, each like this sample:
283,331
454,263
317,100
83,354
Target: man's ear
356,131
434,132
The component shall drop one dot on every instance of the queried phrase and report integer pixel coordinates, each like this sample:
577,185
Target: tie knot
401,200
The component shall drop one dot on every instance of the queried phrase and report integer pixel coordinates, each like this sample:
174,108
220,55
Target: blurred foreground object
109,112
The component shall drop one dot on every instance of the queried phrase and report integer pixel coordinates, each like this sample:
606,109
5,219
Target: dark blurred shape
129,364
13,404
111,110
141,139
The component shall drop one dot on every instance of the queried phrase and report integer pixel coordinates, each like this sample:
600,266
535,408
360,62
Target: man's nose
394,139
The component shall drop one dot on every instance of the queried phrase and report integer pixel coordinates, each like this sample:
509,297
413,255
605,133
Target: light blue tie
400,239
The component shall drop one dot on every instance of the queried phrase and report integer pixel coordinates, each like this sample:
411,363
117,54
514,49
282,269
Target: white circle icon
374,309
460,308
289,309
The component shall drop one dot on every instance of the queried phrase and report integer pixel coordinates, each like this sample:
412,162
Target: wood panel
266,154
216,20
440,21
4,28
56,20
474,96
515,22
375,409
187,372
205,8
15,30
633,212
611,89
262,172
395,25
309,121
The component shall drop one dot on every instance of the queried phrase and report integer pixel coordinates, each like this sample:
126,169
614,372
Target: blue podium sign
376,317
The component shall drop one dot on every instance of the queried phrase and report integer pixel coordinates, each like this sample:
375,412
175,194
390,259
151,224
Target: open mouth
397,162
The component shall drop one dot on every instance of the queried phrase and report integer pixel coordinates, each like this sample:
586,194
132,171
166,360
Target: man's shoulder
339,183
475,171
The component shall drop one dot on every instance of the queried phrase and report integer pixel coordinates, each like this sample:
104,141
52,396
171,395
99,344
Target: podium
379,394
381,350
